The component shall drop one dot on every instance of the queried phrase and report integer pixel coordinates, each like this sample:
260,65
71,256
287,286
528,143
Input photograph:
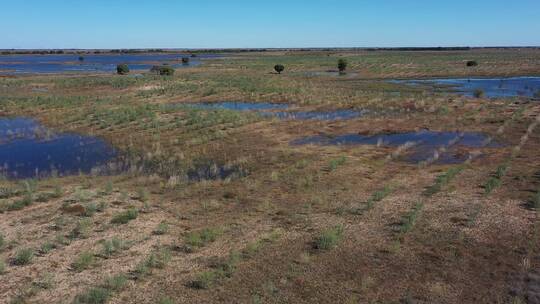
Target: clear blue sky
267,23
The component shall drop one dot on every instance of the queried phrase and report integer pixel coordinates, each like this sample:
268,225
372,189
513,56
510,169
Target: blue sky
267,23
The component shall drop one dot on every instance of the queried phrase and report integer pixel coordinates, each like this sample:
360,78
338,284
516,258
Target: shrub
2,266
329,238
185,60
165,301
81,58
95,295
83,261
125,217
166,71
342,65
122,69
46,247
82,229
2,241
472,63
335,163
535,202
279,68
478,93
23,256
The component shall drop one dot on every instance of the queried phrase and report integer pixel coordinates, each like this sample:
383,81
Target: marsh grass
409,220
442,180
329,238
495,180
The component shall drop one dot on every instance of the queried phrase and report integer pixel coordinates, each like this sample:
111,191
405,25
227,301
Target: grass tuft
329,238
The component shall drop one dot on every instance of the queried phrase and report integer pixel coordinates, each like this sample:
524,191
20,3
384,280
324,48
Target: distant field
212,205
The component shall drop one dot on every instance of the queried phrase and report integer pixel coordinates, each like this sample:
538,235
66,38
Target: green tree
342,65
279,68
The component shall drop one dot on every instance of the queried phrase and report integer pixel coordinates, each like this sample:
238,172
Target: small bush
95,295
83,261
2,241
329,238
535,202
342,65
125,217
185,60
166,71
472,63
81,58
46,247
479,93
2,266
122,69
279,68
335,163
23,256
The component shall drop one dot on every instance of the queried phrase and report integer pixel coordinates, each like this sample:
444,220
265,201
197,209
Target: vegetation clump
122,69
472,63
342,65
329,238
125,217
479,93
279,68
23,257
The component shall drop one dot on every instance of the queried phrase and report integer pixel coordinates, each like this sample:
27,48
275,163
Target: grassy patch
329,238
409,220
378,196
125,217
83,261
113,246
203,237
443,180
23,256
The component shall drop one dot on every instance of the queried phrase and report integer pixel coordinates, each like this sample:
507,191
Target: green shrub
2,241
335,163
166,70
279,68
83,261
122,69
329,238
23,256
46,247
95,295
185,60
535,202
409,220
342,65
472,63
125,217
2,266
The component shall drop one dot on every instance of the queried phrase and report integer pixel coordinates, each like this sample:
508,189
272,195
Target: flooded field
446,147
28,150
281,111
52,64
488,87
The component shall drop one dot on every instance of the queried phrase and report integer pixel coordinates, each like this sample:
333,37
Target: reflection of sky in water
92,62
426,142
492,87
26,148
